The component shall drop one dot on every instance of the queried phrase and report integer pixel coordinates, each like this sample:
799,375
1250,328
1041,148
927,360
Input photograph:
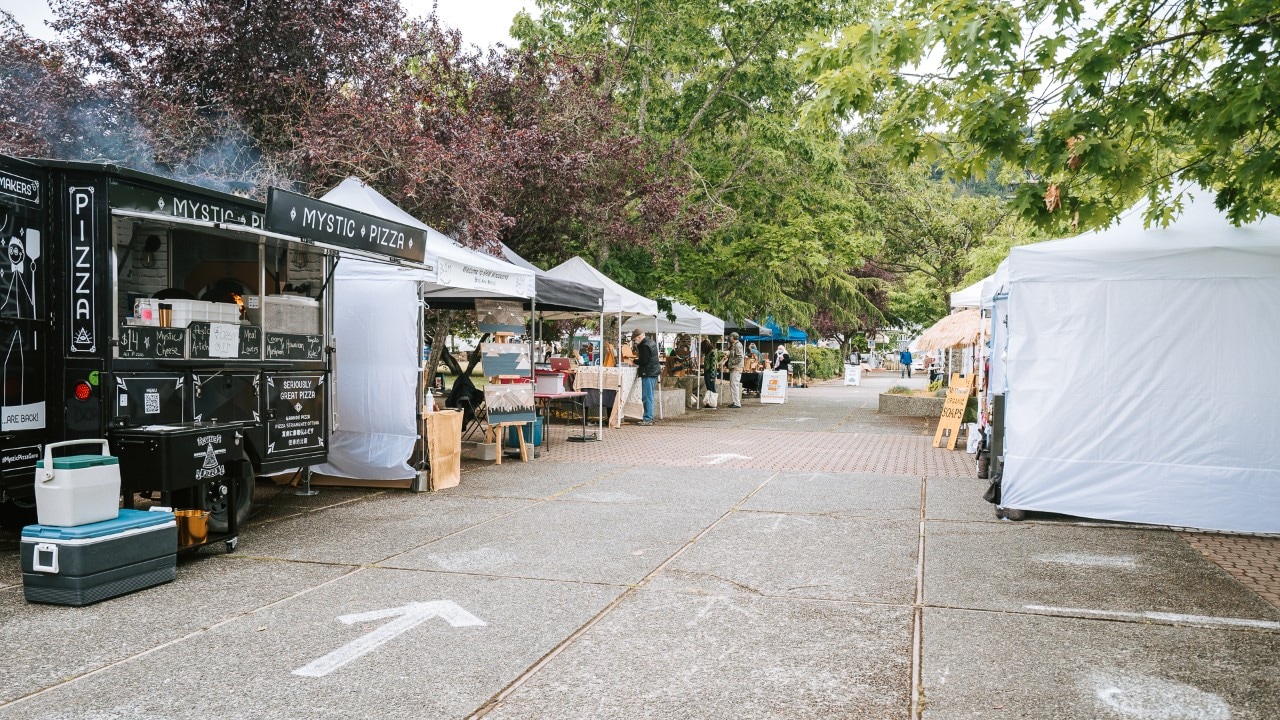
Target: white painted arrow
724,457
410,616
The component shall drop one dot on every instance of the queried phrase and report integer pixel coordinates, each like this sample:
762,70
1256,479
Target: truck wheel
16,514
216,494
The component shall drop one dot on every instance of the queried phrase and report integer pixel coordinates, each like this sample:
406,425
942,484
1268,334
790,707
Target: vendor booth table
545,400
750,381
619,379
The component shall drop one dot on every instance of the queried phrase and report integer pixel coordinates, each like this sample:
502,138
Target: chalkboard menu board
297,419
285,346
144,341
248,348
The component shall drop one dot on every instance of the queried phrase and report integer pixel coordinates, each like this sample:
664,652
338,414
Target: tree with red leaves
848,325
47,108
497,146
196,72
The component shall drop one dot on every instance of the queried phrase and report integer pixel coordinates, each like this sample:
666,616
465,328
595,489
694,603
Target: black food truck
191,328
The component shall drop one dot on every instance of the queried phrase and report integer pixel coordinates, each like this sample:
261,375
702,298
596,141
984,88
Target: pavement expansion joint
1250,625
503,516
245,557
497,700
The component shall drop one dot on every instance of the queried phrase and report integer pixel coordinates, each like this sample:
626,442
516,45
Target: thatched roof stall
959,329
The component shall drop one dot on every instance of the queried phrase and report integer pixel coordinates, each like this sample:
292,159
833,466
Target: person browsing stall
710,365
781,359
648,367
733,362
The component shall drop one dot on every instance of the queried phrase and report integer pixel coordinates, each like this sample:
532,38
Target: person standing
904,357
734,362
782,359
710,366
648,367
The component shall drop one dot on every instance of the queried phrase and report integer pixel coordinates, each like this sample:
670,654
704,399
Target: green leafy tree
1099,106
924,226
716,80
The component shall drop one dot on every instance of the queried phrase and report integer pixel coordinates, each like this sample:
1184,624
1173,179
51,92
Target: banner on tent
500,316
472,277
773,387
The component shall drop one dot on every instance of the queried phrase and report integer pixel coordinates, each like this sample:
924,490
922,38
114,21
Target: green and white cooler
88,563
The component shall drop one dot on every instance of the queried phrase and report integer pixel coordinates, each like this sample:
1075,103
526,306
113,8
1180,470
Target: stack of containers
186,312
85,548
146,311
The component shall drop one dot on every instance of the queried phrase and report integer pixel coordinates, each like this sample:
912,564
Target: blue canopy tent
778,336
792,335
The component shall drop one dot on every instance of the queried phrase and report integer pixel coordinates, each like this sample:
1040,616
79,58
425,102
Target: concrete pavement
809,560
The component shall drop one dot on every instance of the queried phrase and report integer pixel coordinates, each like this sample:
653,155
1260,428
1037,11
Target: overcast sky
482,22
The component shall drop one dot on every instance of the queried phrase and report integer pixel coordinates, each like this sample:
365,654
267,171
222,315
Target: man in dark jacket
649,367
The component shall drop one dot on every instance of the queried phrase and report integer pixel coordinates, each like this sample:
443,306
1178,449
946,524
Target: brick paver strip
1251,559
672,444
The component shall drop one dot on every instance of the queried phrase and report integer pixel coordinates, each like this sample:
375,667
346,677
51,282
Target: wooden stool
497,428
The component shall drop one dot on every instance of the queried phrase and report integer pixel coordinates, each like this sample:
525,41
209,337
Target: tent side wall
376,372
1132,395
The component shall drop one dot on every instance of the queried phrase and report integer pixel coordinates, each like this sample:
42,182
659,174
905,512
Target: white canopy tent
1129,390
687,319
618,301
970,297
459,270
379,337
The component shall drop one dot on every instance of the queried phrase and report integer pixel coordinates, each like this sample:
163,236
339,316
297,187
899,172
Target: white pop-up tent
1133,390
379,337
618,301
969,297
682,319
459,271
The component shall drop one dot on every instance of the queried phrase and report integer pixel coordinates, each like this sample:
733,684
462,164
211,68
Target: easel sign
953,410
852,374
773,387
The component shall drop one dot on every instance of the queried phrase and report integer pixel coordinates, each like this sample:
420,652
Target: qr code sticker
151,403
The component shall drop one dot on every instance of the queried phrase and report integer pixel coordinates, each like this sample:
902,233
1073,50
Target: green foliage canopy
1100,104
717,79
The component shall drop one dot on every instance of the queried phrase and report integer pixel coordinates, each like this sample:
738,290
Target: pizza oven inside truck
167,319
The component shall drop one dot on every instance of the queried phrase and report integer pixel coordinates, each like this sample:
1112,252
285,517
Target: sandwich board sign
773,387
953,410
852,374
